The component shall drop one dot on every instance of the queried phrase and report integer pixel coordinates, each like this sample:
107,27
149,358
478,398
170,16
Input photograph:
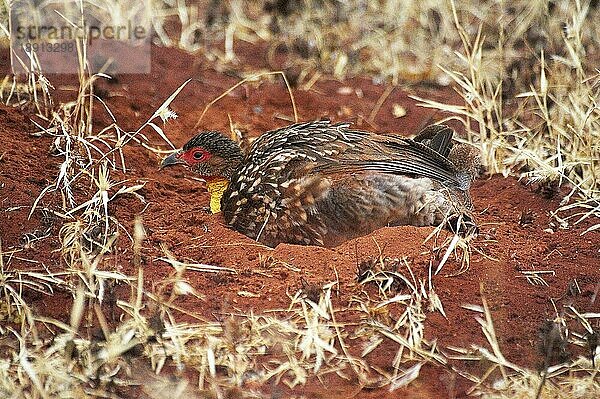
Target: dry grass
530,103
569,377
548,133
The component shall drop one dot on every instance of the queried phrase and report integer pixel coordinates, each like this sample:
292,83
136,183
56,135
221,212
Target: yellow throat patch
216,188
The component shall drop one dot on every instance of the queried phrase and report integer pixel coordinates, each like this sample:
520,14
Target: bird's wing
412,162
335,148
397,155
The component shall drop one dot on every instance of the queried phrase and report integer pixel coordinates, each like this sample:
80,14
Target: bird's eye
198,155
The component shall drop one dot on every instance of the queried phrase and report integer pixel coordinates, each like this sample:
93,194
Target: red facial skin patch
195,155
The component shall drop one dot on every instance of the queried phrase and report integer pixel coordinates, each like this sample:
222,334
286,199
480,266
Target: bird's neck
216,187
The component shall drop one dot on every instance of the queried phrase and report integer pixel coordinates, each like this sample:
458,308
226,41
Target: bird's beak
172,159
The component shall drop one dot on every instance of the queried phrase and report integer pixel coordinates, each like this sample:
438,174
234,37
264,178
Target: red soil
173,214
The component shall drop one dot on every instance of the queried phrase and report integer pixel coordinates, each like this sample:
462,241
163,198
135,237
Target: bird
323,183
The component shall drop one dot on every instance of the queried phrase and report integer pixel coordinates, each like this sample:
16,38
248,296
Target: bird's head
212,156
209,154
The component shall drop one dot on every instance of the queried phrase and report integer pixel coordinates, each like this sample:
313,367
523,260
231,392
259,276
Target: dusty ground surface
174,214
